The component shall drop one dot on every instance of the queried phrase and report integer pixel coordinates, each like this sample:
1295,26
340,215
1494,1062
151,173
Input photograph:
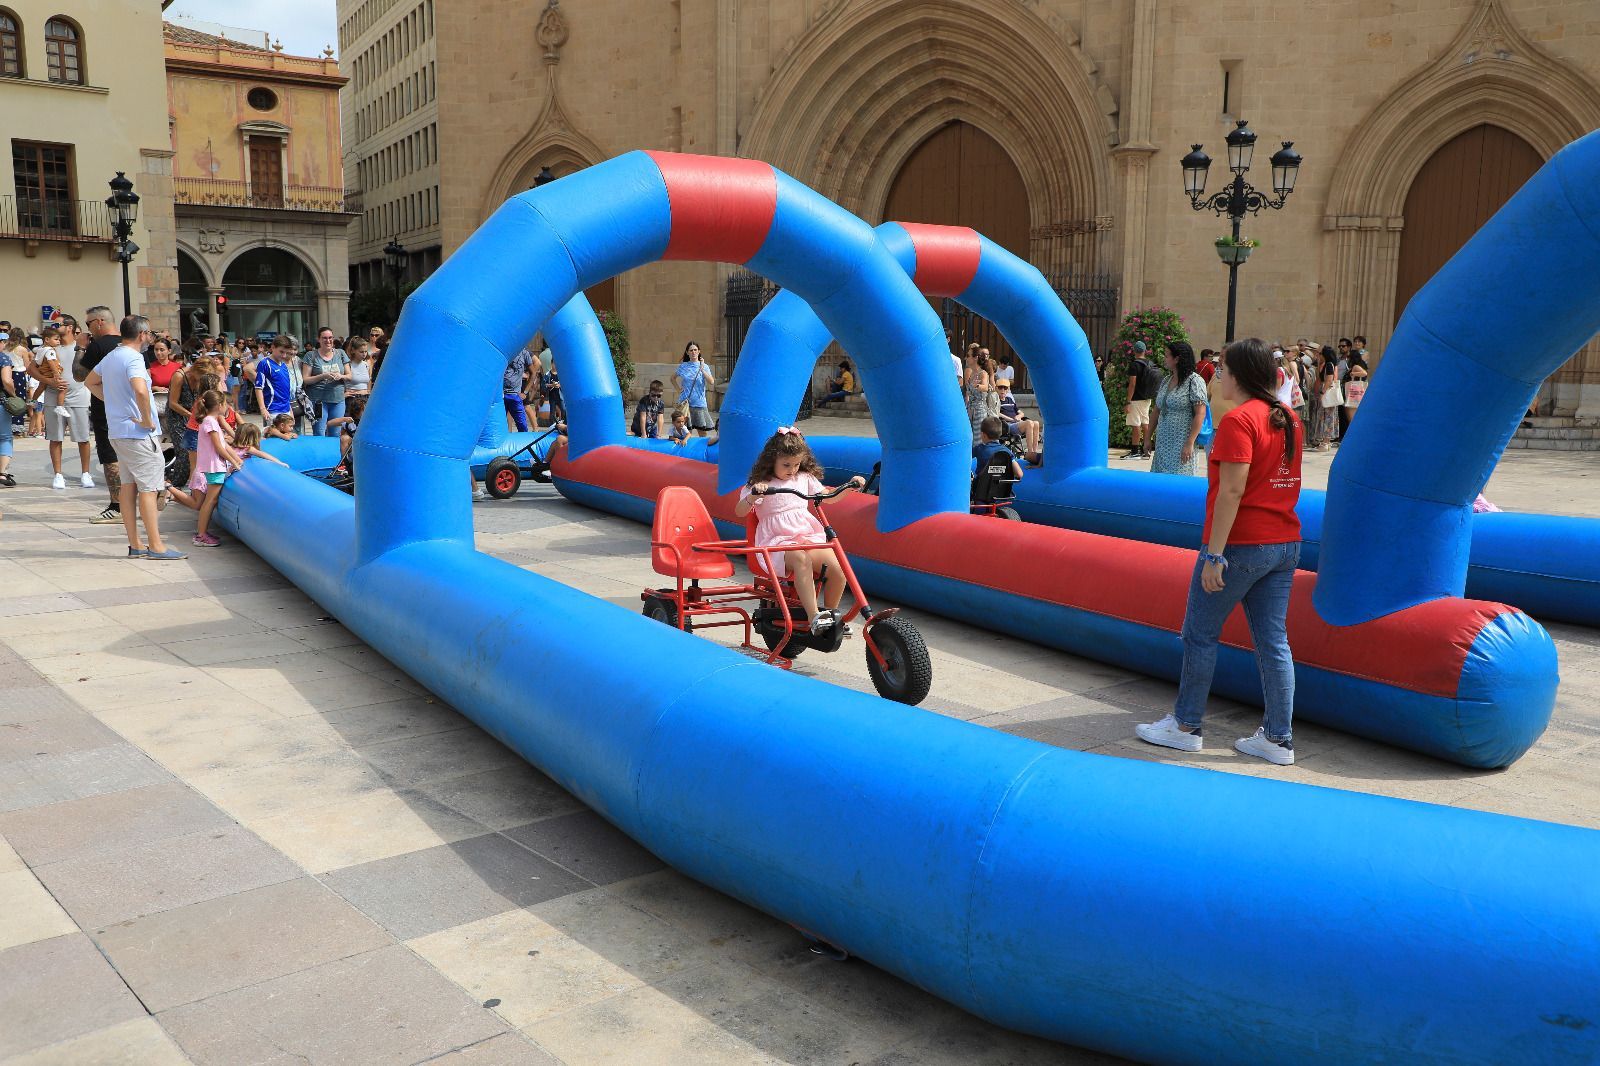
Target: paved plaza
231,833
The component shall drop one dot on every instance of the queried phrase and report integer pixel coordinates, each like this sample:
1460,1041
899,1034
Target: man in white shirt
123,385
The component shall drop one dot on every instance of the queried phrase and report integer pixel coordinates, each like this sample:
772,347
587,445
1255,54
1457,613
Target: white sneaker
479,495
61,412
58,482
822,622
86,481
1169,734
1258,745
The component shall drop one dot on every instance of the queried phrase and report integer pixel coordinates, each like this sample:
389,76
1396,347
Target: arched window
10,45
63,46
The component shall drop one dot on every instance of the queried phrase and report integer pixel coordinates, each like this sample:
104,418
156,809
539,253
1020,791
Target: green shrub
617,340
1157,327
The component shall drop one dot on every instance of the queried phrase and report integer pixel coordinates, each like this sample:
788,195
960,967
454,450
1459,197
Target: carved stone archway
1490,73
867,83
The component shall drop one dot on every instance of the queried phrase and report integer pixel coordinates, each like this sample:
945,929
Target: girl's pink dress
786,521
206,459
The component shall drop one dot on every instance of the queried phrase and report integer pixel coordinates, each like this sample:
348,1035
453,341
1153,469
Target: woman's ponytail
1254,371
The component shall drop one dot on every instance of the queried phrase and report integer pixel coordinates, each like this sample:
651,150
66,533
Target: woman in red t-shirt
1252,545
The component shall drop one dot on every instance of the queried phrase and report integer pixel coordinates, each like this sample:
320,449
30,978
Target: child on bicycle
786,521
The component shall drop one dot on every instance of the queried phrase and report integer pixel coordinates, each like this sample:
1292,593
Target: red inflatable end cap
947,257
721,208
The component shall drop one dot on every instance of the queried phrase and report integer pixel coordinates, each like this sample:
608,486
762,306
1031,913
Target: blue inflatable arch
539,250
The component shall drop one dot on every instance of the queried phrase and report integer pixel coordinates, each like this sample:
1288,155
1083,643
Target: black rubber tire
1007,513
502,479
661,610
909,673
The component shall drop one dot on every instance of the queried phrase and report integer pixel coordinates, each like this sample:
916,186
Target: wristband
1218,559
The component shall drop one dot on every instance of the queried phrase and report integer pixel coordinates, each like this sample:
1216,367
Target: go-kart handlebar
807,496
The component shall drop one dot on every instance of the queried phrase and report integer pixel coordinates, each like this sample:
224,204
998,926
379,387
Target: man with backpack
1144,381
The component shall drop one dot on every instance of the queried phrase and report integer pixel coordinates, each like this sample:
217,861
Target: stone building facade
1085,105
258,177
82,98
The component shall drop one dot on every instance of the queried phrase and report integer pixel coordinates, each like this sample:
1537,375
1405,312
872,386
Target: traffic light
222,309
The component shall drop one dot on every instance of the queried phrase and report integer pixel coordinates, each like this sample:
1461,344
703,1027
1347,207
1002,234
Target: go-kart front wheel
1008,513
502,479
906,674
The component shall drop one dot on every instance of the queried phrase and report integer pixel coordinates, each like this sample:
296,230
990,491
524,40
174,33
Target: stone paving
231,833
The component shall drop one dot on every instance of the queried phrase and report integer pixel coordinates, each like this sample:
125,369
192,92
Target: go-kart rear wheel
661,610
1008,513
502,479
907,671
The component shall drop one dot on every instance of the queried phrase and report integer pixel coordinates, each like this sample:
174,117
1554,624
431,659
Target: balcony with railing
47,219
218,192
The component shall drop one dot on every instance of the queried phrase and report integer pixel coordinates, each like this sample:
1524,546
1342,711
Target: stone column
333,310
213,321
1135,149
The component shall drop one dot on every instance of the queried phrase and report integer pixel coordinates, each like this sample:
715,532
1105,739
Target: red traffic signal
222,302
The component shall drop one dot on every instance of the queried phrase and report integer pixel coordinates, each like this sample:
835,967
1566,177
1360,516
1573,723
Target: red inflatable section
1146,584
947,257
721,208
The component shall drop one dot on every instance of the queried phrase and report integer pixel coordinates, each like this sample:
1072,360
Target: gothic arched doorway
1453,195
961,176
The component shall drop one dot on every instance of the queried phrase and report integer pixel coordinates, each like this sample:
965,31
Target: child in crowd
552,395
680,429
282,427
783,520
648,412
47,370
215,460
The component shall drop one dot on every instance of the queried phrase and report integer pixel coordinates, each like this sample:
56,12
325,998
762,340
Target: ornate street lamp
1240,197
122,207
397,259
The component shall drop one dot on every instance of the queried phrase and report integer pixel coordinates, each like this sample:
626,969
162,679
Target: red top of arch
721,208
947,257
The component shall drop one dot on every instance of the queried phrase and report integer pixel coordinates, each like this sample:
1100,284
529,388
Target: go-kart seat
683,521
992,482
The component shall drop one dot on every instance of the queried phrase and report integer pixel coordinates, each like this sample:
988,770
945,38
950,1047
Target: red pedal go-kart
684,546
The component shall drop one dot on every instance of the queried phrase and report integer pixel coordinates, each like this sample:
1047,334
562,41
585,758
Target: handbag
1353,391
1207,432
1333,396
15,406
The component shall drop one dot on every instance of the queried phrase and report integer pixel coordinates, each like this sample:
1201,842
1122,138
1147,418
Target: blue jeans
833,397
517,410
326,410
1260,576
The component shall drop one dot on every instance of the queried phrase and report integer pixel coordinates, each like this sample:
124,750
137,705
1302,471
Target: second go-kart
504,474
684,546
994,489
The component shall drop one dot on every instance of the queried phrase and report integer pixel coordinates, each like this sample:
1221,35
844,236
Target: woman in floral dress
1180,411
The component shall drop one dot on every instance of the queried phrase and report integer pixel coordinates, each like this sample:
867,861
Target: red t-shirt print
1271,489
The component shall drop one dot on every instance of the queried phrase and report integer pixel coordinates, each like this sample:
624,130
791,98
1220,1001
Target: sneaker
1258,744
1134,454
479,495
1169,734
8,481
822,622
137,553
62,412
110,516
170,555
86,481
206,540
58,482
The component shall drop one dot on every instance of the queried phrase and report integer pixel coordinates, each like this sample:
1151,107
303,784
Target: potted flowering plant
1235,250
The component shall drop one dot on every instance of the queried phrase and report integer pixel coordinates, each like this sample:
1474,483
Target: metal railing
46,219
218,192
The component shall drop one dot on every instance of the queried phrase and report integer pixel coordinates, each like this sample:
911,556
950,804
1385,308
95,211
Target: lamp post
1240,197
396,258
122,206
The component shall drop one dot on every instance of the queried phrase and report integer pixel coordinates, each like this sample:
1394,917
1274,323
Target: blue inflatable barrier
1047,890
